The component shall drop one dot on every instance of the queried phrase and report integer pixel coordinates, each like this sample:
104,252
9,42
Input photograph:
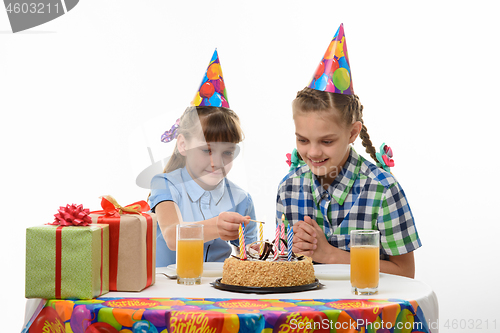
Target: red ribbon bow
111,207
72,215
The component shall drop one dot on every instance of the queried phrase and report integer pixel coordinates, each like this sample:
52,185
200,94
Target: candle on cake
290,238
241,234
282,235
261,239
276,242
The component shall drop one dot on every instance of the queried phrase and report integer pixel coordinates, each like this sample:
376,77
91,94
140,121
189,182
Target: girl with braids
193,187
333,190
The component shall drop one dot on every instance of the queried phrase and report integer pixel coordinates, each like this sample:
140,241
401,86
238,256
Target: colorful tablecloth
226,315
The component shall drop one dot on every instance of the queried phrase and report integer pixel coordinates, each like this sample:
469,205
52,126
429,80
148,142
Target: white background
83,96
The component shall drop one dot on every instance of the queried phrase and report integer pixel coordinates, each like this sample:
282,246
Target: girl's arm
403,265
310,240
224,226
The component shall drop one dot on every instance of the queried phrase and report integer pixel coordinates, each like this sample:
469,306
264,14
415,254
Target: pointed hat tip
212,91
334,72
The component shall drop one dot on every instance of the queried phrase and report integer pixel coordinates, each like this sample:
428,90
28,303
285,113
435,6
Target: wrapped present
68,259
132,244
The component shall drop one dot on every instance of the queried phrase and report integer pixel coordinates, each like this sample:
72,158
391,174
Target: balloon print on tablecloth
251,323
127,317
358,309
302,309
309,303
271,317
169,303
231,323
101,328
106,315
283,305
155,317
405,321
302,321
80,319
144,326
200,303
334,72
48,317
198,321
186,308
390,313
230,315
63,308
212,91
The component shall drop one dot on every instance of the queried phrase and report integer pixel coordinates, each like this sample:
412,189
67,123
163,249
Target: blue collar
195,191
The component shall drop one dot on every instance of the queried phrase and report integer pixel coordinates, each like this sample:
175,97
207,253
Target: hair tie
385,157
171,133
293,160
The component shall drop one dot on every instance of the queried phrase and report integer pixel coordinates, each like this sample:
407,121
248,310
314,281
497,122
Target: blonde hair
219,124
349,106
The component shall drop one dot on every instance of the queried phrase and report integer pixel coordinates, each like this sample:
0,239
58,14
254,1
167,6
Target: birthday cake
265,273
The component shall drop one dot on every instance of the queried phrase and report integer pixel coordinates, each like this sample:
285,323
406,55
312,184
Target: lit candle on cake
241,233
261,238
290,238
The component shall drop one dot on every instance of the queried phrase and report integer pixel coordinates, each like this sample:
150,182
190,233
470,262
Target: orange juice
189,258
365,266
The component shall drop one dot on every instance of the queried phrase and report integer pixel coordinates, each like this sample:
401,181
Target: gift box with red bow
132,244
67,259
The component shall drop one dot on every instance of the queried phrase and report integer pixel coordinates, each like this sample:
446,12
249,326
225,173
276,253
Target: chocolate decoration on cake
268,251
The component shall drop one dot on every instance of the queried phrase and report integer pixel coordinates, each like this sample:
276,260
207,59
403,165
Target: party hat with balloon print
212,91
334,73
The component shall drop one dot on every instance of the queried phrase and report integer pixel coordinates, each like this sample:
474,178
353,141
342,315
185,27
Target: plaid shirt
363,196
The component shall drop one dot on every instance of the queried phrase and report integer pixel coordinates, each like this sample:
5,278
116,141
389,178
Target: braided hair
349,106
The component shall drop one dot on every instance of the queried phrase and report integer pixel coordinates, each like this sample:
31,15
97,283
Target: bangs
220,127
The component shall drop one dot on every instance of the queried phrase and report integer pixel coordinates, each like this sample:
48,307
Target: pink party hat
212,91
334,72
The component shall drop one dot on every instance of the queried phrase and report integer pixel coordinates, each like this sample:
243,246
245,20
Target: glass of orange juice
365,261
189,251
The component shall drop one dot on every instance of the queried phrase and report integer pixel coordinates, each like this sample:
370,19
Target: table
201,308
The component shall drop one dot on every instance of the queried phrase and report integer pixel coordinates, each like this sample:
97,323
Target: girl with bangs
193,187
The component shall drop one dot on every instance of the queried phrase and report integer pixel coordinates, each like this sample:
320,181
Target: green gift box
67,261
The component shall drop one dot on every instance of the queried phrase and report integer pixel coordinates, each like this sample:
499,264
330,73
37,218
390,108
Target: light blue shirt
196,204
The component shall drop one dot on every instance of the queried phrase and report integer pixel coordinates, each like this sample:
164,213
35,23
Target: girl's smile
318,163
323,142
